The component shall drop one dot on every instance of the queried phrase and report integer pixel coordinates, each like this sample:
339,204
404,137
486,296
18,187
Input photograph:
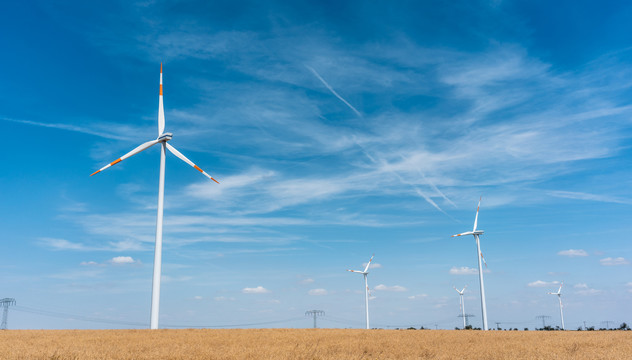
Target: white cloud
306,281
256,290
573,253
418,296
540,283
317,292
463,270
223,298
394,288
613,261
581,286
197,297
119,260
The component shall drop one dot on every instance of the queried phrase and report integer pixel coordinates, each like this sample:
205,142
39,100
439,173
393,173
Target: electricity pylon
543,317
5,303
467,318
314,313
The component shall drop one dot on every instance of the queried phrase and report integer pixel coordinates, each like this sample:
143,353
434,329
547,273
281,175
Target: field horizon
312,344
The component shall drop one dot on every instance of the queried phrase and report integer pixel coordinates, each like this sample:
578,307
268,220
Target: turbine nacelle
477,232
165,137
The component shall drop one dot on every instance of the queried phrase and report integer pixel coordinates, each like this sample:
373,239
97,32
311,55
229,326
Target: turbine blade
138,149
184,158
161,110
462,234
483,258
476,218
366,269
357,271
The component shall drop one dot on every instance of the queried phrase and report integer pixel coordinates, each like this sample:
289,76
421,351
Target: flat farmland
313,344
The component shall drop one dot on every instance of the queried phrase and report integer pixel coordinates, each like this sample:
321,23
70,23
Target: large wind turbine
476,234
559,296
461,303
162,139
366,288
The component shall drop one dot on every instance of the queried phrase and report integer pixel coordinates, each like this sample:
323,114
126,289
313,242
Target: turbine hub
165,137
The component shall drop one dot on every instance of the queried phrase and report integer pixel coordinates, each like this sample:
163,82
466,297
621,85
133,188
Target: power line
140,324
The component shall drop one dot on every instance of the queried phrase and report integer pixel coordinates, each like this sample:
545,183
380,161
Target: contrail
333,91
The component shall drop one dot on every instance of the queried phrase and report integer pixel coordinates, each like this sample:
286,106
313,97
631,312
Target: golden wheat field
313,344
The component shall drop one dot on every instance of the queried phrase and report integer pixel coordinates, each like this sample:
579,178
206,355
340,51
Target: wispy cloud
540,283
584,289
418,297
99,130
590,197
609,261
573,253
317,292
394,288
464,270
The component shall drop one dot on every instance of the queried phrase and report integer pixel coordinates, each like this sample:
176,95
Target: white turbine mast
461,303
366,288
162,139
559,297
476,233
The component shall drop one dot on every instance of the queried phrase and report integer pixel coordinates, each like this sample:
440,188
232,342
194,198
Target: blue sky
337,130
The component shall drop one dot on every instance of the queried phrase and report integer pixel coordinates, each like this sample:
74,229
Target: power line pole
497,325
5,303
314,313
543,317
607,322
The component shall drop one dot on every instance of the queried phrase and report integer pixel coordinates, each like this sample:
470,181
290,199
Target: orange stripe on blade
116,161
95,172
198,168
160,89
215,180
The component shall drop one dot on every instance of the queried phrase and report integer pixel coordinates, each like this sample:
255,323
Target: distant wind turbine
559,297
366,288
461,303
162,139
476,234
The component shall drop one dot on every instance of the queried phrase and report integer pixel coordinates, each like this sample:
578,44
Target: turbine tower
476,234
366,288
5,303
461,303
559,297
162,139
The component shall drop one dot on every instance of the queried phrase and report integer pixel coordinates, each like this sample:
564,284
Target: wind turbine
559,297
461,303
366,288
162,139
476,234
